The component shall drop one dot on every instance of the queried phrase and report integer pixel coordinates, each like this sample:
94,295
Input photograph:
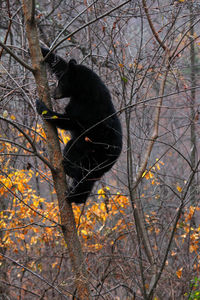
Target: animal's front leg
56,119
43,110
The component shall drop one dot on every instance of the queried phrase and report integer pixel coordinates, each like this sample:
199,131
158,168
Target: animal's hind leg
80,190
77,159
72,157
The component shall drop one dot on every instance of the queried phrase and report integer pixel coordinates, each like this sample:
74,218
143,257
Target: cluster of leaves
150,174
187,233
100,220
195,289
190,235
27,220
30,220
30,223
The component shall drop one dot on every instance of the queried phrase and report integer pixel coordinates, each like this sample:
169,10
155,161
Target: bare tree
135,236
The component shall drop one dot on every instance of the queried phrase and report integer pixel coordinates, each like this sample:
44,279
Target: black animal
96,135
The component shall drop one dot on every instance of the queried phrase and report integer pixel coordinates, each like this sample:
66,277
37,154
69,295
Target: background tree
139,231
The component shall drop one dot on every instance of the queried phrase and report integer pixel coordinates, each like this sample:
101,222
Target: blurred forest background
140,229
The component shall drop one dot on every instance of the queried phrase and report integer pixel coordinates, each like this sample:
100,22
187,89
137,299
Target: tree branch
35,152
152,26
136,204
34,274
87,24
16,57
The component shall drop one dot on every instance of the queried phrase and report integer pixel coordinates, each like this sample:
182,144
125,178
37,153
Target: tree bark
192,109
59,178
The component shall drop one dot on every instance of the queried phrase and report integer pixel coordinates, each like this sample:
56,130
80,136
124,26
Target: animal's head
66,82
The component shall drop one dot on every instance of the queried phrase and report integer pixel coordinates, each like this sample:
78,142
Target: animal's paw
41,107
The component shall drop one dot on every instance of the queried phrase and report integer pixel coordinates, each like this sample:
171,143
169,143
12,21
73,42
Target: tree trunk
55,157
192,109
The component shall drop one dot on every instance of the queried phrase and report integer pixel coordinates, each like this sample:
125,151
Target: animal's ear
72,63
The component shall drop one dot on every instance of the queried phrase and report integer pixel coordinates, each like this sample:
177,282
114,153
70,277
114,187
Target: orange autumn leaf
179,272
179,189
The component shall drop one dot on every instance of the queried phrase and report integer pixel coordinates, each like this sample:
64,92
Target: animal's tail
80,191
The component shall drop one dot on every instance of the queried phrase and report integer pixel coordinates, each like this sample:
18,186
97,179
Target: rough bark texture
55,157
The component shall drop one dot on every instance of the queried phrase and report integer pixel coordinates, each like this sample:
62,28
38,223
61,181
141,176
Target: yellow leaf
179,189
98,246
173,253
179,272
101,193
33,241
103,207
36,202
158,166
192,210
54,117
150,174
39,267
84,232
54,265
144,173
44,112
193,248
5,113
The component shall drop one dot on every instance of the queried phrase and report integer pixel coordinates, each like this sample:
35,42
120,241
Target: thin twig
30,142
184,193
35,274
87,24
161,43
19,60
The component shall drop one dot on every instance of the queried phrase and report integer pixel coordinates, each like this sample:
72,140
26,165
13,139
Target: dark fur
96,136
